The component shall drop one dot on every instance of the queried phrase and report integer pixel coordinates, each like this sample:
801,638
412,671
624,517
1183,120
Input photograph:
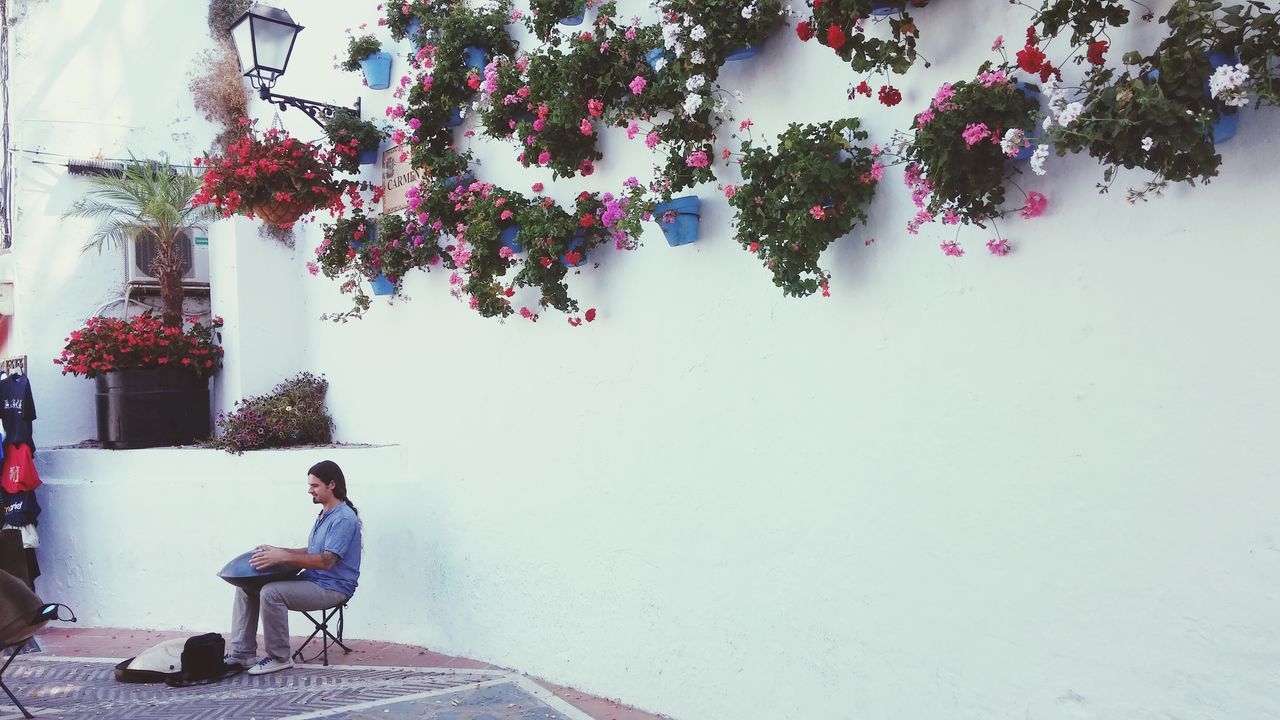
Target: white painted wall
1038,486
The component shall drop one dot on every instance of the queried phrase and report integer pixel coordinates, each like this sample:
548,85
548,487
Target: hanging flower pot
377,70
657,58
475,57
454,119
881,8
411,32
282,212
571,257
382,285
1225,128
367,157
683,226
1026,152
452,182
508,238
575,19
742,53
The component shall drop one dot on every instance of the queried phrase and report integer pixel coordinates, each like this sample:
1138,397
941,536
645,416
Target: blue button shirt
337,531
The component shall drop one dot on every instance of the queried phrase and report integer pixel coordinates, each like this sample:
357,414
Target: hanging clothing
17,410
21,509
30,536
18,473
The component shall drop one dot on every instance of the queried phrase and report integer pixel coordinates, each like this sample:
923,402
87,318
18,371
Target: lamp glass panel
242,35
273,41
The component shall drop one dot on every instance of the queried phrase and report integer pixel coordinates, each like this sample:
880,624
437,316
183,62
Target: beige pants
275,600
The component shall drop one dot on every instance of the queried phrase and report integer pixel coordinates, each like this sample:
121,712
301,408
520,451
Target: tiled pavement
73,679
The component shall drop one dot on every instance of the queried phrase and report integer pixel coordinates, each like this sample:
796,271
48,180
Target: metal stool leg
5,687
322,626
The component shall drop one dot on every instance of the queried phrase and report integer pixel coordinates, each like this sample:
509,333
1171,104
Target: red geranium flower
1097,49
1030,59
889,95
835,37
804,31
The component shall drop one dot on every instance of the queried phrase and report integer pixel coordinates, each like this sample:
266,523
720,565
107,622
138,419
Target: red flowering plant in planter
843,26
106,344
274,176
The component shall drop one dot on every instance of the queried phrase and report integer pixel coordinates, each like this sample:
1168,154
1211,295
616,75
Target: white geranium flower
1013,141
1038,157
695,83
1147,143
748,11
698,33
1070,114
1227,85
692,103
696,57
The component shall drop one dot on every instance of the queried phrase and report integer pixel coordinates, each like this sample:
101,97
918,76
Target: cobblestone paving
70,689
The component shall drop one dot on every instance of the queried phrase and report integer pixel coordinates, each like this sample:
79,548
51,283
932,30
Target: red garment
19,473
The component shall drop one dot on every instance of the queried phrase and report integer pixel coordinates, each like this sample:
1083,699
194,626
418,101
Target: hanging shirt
18,473
21,509
17,410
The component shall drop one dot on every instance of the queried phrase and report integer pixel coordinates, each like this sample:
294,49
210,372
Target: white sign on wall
397,178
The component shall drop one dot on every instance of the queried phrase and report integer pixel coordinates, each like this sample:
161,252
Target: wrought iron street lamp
264,38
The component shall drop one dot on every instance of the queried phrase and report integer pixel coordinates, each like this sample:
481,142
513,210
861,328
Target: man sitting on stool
331,569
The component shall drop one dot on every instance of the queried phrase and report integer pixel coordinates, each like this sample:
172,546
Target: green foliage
724,28
152,197
351,136
797,198
359,47
969,180
854,44
292,414
546,232
1088,19
545,15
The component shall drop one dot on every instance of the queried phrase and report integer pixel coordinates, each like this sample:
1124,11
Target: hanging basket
281,213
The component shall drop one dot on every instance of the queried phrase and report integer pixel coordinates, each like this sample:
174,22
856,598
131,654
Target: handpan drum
240,573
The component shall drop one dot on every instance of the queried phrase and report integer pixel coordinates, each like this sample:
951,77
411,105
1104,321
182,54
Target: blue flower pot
508,238
1225,128
452,182
574,19
657,58
1026,152
377,70
454,119
881,8
411,32
367,157
742,53
475,58
574,244
382,286
685,228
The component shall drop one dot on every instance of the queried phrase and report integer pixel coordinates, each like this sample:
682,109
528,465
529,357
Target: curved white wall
1033,486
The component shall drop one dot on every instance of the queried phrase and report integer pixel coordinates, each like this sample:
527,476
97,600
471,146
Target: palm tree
148,197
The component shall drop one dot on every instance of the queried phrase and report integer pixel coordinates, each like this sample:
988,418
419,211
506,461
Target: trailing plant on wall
844,26
351,136
545,15
797,198
359,47
715,29
442,84
1165,112
959,154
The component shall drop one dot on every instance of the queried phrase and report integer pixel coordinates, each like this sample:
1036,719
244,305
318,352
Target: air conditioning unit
193,249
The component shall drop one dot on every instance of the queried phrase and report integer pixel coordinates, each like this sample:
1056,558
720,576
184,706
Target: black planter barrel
152,408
